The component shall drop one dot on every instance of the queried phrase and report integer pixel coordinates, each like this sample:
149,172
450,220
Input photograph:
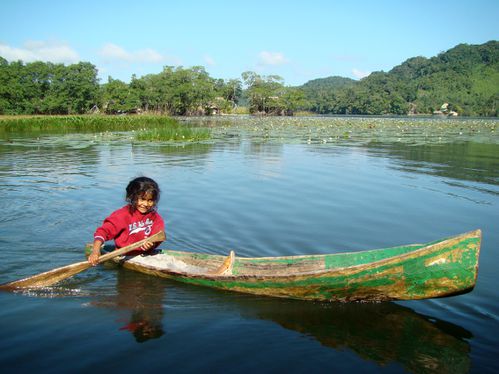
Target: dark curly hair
140,186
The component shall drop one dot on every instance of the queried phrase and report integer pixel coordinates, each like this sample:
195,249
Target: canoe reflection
384,333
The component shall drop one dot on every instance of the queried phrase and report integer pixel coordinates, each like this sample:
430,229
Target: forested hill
463,80
330,83
466,77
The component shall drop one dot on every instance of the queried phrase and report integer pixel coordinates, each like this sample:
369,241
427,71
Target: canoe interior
197,263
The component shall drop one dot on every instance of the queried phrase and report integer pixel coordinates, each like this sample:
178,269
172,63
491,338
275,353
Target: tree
119,97
293,99
263,92
6,81
46,88
81,87
230,90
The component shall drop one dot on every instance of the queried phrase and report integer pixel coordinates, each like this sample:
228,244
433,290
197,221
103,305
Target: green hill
466,77
330,83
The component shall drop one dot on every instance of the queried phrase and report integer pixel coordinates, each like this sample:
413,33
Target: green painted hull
437,269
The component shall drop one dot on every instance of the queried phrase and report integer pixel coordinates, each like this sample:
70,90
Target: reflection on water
385,333
36,160
141,297
468,161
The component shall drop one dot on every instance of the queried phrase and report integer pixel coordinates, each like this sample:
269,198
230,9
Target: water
261,187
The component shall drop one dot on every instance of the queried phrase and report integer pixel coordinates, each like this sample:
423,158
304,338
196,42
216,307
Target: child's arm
107,231
94,256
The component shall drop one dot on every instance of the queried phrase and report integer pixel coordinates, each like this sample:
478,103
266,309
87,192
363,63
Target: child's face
145,203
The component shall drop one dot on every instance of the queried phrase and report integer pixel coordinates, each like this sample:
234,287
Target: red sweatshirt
127,228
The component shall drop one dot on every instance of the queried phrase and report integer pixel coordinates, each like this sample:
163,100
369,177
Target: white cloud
35,50
359,73
112,52
148,55
272,58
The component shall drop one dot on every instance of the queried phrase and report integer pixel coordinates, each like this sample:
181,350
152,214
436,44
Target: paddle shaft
51,277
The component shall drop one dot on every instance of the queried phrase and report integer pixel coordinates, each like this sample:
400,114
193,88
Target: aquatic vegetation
175,133
352,130
340,130
68,124
153,128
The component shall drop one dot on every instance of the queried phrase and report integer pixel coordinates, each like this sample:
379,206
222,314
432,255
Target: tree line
465,77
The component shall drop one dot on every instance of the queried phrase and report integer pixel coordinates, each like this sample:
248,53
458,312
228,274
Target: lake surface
262,187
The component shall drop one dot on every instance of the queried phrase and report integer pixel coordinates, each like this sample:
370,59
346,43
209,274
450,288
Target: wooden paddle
51,277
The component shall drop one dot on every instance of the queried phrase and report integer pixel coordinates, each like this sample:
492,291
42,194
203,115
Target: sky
296,40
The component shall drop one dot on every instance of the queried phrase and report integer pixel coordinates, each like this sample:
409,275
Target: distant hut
444,111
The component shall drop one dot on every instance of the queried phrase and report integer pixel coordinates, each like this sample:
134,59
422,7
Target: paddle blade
48,278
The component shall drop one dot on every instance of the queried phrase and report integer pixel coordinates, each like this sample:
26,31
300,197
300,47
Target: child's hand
147,246
94,258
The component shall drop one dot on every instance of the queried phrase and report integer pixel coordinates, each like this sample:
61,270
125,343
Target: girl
135,221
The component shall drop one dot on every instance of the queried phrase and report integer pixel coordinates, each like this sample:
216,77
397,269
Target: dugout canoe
417,271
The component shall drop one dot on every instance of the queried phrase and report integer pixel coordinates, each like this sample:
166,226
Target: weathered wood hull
418,271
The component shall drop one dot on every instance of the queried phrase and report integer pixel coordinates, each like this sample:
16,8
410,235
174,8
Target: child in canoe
135,221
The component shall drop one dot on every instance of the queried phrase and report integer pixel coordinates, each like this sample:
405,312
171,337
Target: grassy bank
152,128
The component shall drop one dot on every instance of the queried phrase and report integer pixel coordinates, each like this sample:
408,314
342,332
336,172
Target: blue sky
297,40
